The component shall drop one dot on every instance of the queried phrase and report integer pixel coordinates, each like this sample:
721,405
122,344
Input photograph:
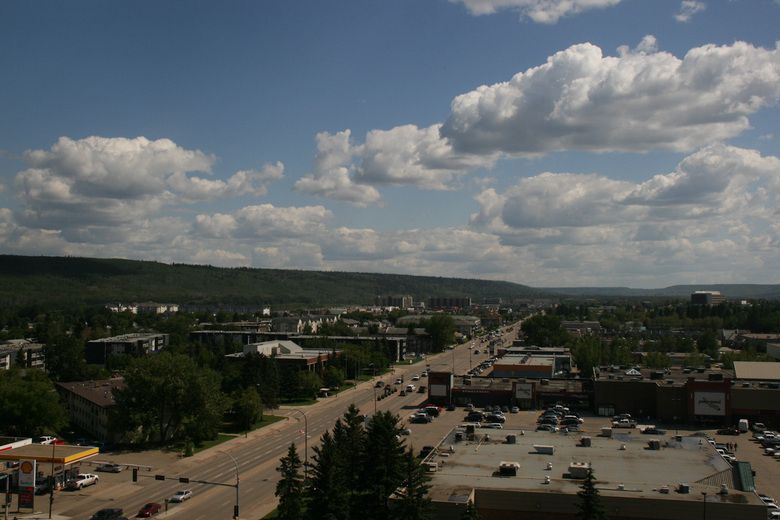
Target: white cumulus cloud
640,100
688,8
540,11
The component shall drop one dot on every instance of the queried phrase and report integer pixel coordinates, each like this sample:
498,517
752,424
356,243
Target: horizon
557,144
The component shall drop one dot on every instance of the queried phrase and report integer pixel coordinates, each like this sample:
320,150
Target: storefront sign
709,403
27,471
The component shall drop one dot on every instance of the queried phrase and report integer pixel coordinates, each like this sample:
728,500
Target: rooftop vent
508,469
578,469
724,489
585,442
684,488
664,490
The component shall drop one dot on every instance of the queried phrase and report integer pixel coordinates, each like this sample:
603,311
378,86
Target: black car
495,418
425,451
110,513
475,417
728,431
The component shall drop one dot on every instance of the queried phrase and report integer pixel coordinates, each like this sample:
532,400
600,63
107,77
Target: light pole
305,443
235,463
704,505
374,388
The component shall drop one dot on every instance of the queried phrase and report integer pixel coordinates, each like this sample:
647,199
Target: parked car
451,407
514,409
425,451
45,439
653,431
494,425
546,428
728,431
82,480
402,393
422,389
181,496
110,513
149,509
110,467
420,418
624,423
415,377
379,384
495,418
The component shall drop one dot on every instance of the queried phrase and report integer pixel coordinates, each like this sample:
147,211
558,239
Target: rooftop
540,359
623,465
97,392
763,370
128,337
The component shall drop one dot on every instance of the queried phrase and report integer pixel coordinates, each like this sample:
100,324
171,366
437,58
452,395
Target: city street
257,455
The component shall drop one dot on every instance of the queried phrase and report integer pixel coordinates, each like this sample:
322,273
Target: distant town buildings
98,351
439,303
400,301
22,353
707,298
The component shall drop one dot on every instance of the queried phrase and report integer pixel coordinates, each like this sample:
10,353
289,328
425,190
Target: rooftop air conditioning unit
431,467
683,488
508,469
578,470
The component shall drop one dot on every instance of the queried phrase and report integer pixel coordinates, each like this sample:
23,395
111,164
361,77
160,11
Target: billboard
709,403
524,391
438,390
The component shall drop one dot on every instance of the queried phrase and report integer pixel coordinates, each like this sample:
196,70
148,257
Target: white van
743,425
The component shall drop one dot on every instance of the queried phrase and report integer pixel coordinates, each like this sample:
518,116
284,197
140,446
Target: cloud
640,100
243,182
716,210
540,11
264,221
688,8
332,176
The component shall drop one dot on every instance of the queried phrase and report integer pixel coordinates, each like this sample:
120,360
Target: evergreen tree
289,489
590,507
471,512
328,495
411,499
383,464
349,437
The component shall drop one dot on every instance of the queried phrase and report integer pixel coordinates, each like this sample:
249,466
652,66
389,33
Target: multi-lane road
257,455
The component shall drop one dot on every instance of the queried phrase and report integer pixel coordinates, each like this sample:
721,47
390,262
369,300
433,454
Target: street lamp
305,443
235,463
704,505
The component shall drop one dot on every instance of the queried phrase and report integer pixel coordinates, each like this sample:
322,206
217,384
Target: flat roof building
536,475
98,351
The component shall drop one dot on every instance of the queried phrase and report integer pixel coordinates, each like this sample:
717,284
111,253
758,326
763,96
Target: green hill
27,279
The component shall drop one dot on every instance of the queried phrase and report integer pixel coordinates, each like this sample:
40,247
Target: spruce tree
349,437
411,499
327,492
471,512
383,465
289,489
590,507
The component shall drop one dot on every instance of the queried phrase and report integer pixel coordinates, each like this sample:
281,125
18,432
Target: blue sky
578,142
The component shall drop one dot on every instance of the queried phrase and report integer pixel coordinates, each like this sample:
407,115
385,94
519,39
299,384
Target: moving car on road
110,513
110,467
149,509
181,496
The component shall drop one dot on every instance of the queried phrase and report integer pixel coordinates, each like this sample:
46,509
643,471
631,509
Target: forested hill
28,279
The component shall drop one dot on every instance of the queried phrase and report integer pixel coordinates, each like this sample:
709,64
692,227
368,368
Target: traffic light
135,474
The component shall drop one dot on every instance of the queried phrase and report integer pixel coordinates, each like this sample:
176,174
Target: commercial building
707,298
449,303
287,353
524,393
510,474
401,301
466,325
98,351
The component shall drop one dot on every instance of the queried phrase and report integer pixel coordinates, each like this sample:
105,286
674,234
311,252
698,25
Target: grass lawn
265,421
296,402
230,432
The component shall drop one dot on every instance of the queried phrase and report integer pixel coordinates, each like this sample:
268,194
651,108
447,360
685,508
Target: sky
544,142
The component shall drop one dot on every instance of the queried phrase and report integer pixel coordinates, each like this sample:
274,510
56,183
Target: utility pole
306,443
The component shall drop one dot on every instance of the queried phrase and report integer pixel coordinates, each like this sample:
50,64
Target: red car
149,509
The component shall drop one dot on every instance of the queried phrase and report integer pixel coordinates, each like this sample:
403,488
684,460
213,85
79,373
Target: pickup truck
82,480
624,423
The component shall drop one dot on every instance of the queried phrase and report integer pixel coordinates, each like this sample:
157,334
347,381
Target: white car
82,480
181,496
493,425
415,377
110,467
